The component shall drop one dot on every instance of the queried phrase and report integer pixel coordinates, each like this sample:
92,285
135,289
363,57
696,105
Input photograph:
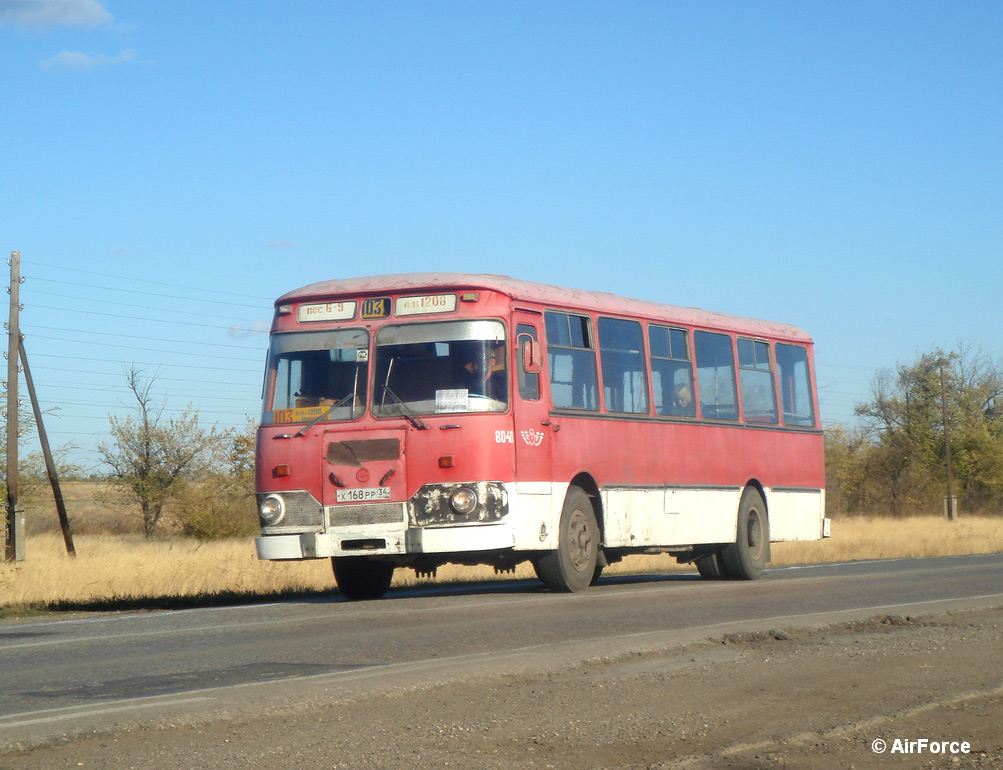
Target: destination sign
302,414
430,303
326,311
375,308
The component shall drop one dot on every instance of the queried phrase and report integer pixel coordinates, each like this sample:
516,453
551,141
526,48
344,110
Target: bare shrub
151,456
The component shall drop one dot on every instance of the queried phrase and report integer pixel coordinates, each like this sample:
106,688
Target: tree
897,461
904,419
977,427
845,469
152,456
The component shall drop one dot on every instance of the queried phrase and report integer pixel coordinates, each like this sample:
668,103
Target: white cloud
54,13
75,60
240,331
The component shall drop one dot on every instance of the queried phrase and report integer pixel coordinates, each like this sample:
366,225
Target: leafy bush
215,509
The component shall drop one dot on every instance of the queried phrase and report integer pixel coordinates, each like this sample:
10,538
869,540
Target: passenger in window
478,382
471,377
682,401
497,381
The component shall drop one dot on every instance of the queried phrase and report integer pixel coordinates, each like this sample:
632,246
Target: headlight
463,500
272,509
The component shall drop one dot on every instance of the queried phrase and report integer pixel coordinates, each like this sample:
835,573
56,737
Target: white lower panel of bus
687,515
670,516
537,506
797,514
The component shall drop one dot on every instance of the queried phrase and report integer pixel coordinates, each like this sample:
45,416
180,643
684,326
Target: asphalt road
65,677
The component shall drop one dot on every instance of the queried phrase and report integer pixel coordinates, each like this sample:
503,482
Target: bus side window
574,381
715,375
755,377
671,372
529,383
795,386
624,372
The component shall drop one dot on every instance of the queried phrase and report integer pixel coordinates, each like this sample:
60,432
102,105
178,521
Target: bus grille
367,513
302,510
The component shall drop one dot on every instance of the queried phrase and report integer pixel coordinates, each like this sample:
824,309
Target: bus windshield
440,368
317,374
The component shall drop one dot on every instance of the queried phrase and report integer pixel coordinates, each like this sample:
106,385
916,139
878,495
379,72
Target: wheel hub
580,541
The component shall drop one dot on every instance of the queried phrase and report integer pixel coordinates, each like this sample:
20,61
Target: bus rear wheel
747,556
572,566
361,579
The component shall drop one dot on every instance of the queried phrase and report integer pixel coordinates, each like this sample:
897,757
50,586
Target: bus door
533,433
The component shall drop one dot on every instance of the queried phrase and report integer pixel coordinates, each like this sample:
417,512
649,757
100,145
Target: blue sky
167,172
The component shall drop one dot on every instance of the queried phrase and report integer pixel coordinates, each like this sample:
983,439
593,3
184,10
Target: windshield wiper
302,431
406,412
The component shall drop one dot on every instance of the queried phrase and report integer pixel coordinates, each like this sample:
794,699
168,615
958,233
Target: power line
220,383
135,291
147,349
144,363
139,337
131,318
116,303
115,390
62,268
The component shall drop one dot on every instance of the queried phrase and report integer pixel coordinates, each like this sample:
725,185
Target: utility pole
13,525
14,529
950,503
50,464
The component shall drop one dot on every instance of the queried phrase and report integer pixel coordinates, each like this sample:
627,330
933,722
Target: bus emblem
532,437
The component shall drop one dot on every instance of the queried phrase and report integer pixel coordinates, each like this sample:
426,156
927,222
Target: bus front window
440,368
317,375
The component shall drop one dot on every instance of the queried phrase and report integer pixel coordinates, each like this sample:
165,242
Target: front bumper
380,542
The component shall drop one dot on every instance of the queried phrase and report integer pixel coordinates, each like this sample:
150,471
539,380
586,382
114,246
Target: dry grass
93,509
856,539
116,570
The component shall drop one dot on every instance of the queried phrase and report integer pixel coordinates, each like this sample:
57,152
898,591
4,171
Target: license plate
362,495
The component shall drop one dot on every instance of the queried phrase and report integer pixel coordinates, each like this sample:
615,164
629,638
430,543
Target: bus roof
544,294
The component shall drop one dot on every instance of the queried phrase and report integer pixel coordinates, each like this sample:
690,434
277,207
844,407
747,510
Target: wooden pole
50,465
14,546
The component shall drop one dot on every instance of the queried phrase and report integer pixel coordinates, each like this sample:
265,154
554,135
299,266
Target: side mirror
532,356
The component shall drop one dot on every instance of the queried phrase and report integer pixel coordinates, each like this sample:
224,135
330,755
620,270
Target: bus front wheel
572,566
360,579
747,556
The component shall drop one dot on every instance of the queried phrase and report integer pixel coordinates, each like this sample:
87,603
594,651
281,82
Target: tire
601,564
361,579
710,565
747,556
572,566
596,574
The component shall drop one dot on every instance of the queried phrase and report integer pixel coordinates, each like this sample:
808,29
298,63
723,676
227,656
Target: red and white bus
420,419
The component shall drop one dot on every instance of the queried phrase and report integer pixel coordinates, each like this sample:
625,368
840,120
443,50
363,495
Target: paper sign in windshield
452,400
